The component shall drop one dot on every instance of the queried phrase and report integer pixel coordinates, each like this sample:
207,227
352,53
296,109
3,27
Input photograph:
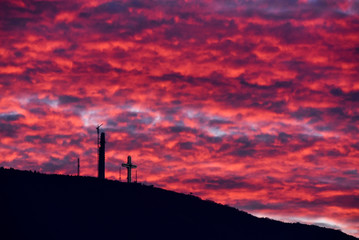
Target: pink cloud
246,103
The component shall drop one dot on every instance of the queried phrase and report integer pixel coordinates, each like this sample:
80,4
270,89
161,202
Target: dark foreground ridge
39,206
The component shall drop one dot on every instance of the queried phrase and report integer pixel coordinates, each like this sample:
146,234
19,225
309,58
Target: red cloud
247,104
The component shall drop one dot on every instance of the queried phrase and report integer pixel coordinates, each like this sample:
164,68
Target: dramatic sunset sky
250,103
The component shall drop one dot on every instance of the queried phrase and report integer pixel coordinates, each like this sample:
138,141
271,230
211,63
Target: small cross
129,166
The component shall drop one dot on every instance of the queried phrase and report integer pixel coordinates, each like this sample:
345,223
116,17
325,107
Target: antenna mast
98,140
98,134
101,152
78,166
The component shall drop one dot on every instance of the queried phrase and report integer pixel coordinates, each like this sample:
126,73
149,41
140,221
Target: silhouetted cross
129,166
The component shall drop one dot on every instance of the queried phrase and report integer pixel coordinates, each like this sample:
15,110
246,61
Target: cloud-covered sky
250,103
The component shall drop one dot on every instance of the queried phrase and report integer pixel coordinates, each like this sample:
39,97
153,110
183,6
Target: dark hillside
39,206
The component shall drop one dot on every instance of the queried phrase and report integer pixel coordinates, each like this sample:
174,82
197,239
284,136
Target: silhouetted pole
78,166
98,134
98,140
129,166
101,159
119,174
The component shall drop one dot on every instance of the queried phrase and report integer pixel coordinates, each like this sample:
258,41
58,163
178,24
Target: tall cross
129,166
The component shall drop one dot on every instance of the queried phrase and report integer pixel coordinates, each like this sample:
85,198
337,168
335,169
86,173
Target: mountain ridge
43,206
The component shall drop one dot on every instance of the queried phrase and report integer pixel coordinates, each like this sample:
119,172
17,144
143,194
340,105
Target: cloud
248,103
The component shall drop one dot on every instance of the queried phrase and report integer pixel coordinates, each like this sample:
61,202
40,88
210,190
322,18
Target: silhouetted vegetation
39,206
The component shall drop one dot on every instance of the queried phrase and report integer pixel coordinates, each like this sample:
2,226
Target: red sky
250,103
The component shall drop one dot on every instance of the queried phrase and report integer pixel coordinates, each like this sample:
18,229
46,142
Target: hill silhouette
40,206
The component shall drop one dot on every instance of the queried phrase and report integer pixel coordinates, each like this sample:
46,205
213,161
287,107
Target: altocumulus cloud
248,103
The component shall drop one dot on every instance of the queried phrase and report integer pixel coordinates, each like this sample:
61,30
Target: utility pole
119,174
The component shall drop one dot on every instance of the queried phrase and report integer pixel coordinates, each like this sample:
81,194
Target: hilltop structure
78,166
101,157
129,167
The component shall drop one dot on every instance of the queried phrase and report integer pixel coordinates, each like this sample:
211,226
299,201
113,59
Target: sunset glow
249,103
